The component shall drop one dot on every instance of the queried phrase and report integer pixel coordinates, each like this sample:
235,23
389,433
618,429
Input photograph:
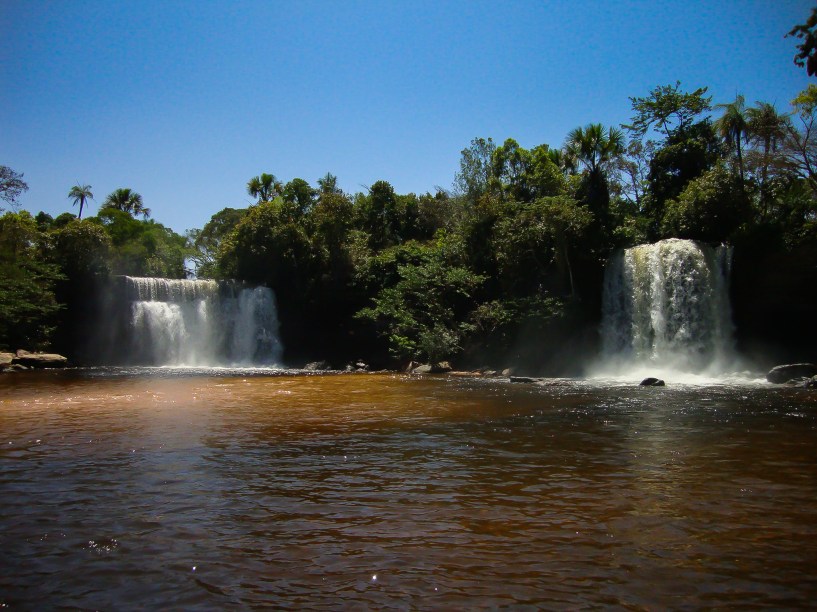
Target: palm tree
329,184
766,128
128,201
563,160
596,149
731,126
264,187
80,194
593,147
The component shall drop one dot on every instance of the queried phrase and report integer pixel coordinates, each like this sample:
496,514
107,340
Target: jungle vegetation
506,265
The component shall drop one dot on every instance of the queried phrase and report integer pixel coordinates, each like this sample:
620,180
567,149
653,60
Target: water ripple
381,491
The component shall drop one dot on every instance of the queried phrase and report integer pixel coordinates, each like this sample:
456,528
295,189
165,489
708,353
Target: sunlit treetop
668,109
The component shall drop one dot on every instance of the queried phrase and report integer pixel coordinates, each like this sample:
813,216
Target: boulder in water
784,373
523,379
316,366
652,382
357,366
40,360
431,368
811,383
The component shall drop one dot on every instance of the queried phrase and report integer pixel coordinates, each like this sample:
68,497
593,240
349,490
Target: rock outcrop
357,366
784,373
652,382
429,368
24,360
318,366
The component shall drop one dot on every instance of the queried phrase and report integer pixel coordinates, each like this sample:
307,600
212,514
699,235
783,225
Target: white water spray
666,309
201,323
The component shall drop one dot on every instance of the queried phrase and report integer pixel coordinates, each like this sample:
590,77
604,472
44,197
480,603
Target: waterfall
200,323
667,305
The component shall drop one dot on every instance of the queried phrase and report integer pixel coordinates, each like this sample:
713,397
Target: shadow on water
155,488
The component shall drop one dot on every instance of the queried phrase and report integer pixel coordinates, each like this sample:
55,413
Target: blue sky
184,102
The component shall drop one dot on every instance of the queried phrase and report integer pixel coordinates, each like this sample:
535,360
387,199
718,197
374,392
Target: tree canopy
510,259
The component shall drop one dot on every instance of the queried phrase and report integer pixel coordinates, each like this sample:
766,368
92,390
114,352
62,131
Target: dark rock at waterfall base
317,366
523,379
784,373
429,368
357,366
811,383
652,382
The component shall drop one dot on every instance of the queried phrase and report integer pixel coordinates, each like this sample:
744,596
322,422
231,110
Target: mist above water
666,313
201,323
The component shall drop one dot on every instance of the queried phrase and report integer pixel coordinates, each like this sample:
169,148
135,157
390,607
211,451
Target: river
173,489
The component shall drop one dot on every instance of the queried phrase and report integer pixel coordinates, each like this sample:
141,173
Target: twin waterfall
666,306
200,323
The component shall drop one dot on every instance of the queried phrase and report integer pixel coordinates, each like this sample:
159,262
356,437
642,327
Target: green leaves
80,194
594,147
711,208
264,187
28,306
423,306
126,200
142,248
667,109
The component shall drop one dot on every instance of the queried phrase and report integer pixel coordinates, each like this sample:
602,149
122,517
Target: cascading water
201,323
666,305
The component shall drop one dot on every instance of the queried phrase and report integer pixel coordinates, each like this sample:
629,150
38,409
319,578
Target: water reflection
296,491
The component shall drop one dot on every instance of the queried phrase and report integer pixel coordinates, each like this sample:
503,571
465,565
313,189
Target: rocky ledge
792,371
24,360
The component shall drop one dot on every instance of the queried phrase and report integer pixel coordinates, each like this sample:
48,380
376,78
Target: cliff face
774,302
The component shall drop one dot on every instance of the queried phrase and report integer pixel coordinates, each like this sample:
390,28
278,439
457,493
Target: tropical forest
505,266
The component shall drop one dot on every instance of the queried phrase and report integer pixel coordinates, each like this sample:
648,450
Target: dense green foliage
515,254
27,301
52,271
505,267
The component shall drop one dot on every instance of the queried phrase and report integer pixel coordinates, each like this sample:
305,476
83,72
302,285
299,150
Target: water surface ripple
386,491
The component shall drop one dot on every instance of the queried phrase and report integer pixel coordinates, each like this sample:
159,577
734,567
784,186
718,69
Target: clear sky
185,101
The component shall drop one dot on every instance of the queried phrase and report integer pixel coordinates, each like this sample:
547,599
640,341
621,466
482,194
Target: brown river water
167,490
